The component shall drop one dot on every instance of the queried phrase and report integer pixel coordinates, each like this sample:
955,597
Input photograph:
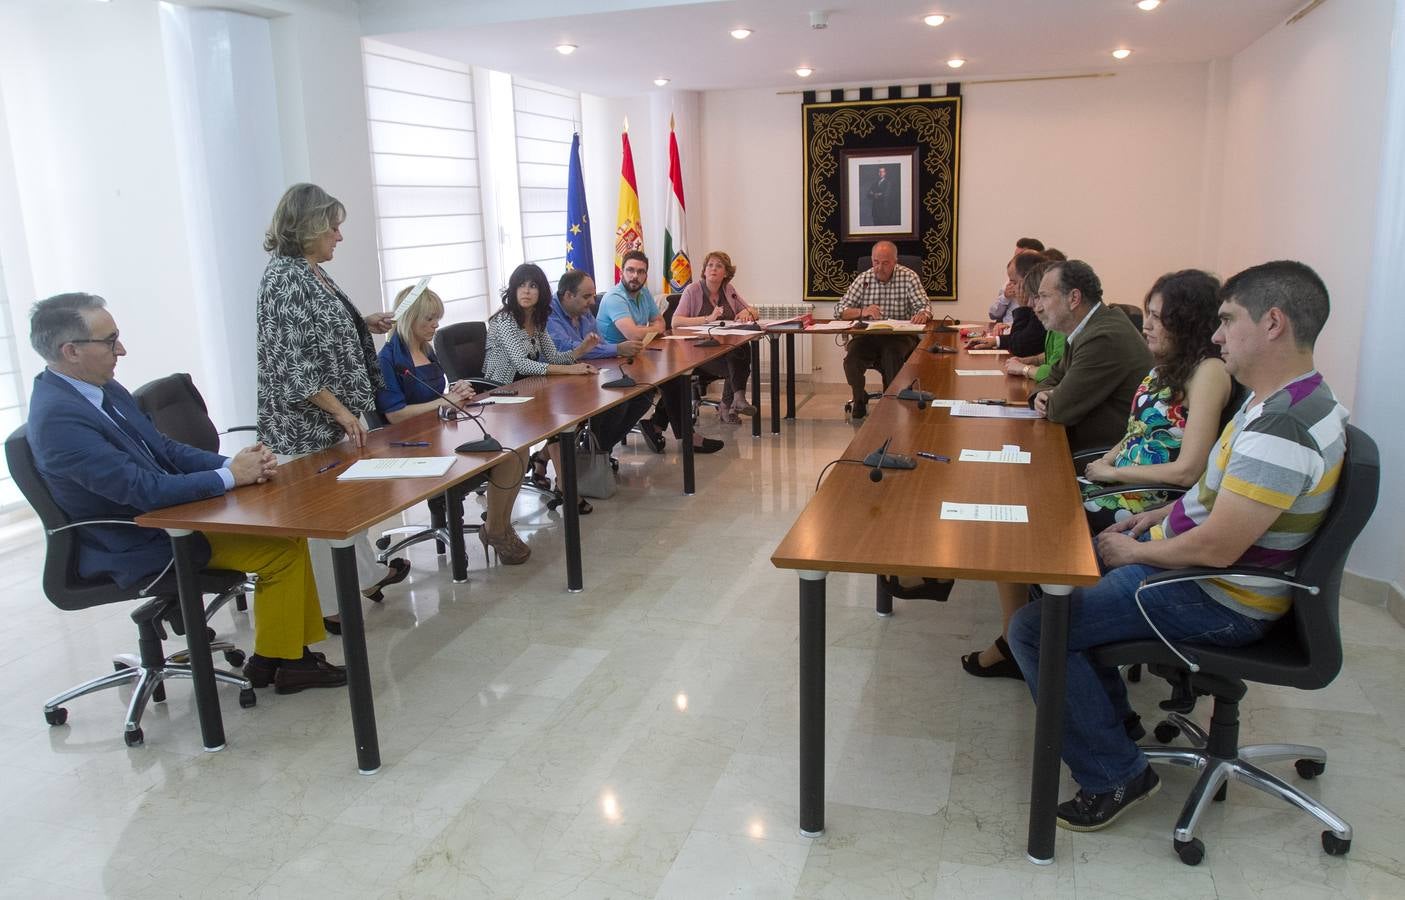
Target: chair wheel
234,657
1309,769
1192,851
56,716
1134,673
1334,845
248,698
382,543
241,602
553,504
1165,732
134,737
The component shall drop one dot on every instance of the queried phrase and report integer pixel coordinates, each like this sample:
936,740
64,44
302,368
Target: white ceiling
625,44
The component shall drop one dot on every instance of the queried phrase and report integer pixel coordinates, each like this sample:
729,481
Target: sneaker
652,436
1093,812
708,445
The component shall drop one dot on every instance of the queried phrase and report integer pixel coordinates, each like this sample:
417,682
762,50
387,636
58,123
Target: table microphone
876,473
488,444
881,459
921,396
624,381
708,340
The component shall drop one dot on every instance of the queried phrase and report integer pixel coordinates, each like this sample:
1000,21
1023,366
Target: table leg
358,669
1048,723
774,342
790,376
684,385
575,579
458,554
883,601
754,348
197,639
812,612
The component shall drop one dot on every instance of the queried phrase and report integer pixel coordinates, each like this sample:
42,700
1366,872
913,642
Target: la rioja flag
677,270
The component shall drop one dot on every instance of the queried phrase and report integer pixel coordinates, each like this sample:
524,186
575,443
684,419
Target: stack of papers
988,352
402,467
835,325
1010,453
992,411
1000,372
983,512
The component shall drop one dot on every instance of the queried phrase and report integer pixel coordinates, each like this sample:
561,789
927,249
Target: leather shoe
653,436
708,445
298,675
333,626
263,670
929,589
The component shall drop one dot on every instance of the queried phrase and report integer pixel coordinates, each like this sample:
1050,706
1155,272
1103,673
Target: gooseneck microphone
921,396
708,340
624,381
881,459
876,473
487,444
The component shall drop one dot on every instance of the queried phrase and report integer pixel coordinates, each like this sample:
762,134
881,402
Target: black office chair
177,409
1303,650
67,590
462,349
1132,312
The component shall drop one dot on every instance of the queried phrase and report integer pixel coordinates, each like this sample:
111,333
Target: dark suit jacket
1094,382
94,471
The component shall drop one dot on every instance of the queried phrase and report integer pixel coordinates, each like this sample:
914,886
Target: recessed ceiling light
804,71
660,82
934,20
741,34
1148,5
1121,53
956,63
565,49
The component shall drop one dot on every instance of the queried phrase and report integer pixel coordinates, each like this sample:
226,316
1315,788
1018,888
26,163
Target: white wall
1110,170
1302,160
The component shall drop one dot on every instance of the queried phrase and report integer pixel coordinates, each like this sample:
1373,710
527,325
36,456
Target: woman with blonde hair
317,368
710,299
410,348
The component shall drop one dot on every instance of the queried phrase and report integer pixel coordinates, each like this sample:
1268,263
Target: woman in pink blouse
707,301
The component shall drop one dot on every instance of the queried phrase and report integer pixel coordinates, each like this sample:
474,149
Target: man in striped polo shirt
1266,488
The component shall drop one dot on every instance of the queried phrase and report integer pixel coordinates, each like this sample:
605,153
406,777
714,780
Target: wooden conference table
894,528
305,499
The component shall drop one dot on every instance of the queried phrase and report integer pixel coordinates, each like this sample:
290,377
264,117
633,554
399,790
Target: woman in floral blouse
317,366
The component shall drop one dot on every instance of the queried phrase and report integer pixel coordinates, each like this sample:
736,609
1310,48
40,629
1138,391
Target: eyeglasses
111,342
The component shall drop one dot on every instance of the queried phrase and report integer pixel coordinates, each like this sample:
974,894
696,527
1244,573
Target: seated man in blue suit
102,458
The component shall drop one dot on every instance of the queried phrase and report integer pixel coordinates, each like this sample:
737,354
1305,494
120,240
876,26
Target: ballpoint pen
409,443
933,456
328,467
995,402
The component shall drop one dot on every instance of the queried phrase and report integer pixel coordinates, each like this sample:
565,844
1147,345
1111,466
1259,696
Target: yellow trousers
286,615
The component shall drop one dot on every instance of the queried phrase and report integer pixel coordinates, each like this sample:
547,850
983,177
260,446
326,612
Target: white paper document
992,411
989,352
498,401
983,512
1010,453
401,467
895,325
1000,372
835,325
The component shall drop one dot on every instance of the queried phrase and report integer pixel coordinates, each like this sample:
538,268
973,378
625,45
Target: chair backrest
62,585
1317,619
462,348
670,307
178,411
1132,312
904,259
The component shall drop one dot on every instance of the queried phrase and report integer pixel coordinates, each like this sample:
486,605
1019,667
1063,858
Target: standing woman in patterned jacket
317,365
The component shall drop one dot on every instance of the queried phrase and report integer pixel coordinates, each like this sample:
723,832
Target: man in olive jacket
1089,391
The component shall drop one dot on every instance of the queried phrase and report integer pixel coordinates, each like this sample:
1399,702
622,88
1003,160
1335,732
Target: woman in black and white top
518,344
317,365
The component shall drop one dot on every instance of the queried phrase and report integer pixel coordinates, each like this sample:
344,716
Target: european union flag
578,254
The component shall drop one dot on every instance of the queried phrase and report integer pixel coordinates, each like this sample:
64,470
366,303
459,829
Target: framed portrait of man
877,196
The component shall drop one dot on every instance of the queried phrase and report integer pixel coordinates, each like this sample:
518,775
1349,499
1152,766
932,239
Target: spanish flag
629,233
677,269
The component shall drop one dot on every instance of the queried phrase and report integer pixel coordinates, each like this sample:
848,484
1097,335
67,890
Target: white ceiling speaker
819,19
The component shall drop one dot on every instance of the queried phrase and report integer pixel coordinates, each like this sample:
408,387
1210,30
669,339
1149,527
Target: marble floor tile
723,865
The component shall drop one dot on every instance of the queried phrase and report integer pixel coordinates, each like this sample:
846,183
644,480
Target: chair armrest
92,522
240,428
482,384
1112,490
1206,573
1094,453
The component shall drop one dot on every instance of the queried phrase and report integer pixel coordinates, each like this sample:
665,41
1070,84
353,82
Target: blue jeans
1095,744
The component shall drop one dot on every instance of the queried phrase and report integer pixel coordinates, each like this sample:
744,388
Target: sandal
399,571
537,478
582,507
1006,668
930,588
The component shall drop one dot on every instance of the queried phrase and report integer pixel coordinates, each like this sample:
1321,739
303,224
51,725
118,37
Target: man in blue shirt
570,322
627,313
